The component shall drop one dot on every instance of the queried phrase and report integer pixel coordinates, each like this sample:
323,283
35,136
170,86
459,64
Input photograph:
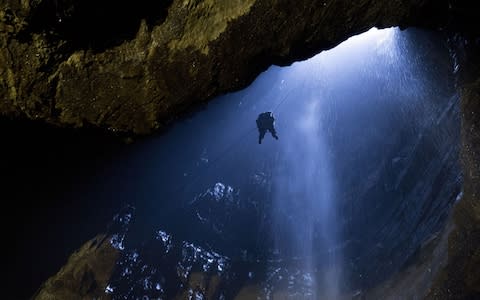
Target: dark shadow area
46,219
96,25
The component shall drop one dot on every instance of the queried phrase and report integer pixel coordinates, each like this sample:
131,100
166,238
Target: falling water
304,207
306,223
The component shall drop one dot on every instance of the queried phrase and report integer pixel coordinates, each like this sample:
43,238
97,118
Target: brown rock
85,275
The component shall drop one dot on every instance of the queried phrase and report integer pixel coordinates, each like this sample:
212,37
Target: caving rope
227,149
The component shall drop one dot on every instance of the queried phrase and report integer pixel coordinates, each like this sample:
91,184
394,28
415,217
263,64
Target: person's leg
261,135
273,132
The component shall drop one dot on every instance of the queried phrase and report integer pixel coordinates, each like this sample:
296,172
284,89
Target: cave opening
364,174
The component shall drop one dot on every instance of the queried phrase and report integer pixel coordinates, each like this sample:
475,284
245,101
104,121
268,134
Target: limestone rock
80,63
85,275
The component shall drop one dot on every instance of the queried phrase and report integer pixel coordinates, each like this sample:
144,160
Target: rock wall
76,63
86,273
461,277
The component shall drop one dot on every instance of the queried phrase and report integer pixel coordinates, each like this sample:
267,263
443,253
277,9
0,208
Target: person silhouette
266,122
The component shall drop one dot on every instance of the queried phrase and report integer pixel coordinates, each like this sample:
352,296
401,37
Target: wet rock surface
86,273
460,278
